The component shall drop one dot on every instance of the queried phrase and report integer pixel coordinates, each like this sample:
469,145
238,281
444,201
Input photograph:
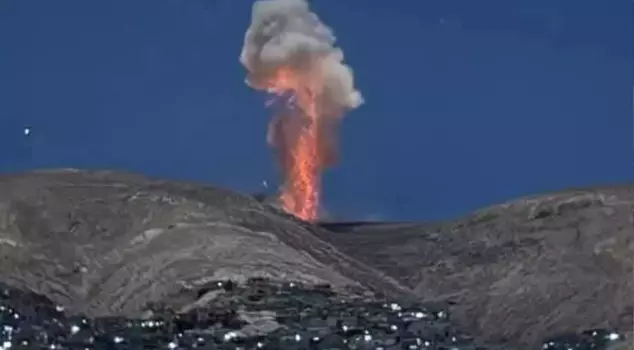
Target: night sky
468,103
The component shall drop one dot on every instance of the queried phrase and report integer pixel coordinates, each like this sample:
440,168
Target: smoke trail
288,52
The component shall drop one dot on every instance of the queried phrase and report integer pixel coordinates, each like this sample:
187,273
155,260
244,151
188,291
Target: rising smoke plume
290,54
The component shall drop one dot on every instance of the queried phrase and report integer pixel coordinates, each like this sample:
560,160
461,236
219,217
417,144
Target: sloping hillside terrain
528,268
104,243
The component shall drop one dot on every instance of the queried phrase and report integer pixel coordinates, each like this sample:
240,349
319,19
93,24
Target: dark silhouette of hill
103,242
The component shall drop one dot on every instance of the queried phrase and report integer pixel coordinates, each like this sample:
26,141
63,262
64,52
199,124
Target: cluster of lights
404,315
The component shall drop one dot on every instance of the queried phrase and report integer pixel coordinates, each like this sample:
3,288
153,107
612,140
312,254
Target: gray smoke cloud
286,34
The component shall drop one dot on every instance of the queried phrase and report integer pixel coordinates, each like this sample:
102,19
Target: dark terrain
535,266
107,243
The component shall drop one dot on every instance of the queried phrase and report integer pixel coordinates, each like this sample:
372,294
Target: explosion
290,54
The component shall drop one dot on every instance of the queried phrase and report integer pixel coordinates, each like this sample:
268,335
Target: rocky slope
104,243
528,268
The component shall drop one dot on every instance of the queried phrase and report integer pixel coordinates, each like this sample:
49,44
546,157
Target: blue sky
468,103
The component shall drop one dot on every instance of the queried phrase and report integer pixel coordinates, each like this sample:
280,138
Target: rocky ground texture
103,259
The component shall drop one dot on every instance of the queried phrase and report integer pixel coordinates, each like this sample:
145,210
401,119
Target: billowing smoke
290,54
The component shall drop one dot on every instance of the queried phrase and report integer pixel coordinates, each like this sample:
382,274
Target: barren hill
102,242
536,266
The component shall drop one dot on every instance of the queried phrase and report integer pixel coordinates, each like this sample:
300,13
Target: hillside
104,242
536,266
111,243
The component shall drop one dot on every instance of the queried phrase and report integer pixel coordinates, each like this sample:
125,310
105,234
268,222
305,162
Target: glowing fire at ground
301,192
303,165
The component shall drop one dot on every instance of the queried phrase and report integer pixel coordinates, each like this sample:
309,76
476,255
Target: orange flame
302,158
